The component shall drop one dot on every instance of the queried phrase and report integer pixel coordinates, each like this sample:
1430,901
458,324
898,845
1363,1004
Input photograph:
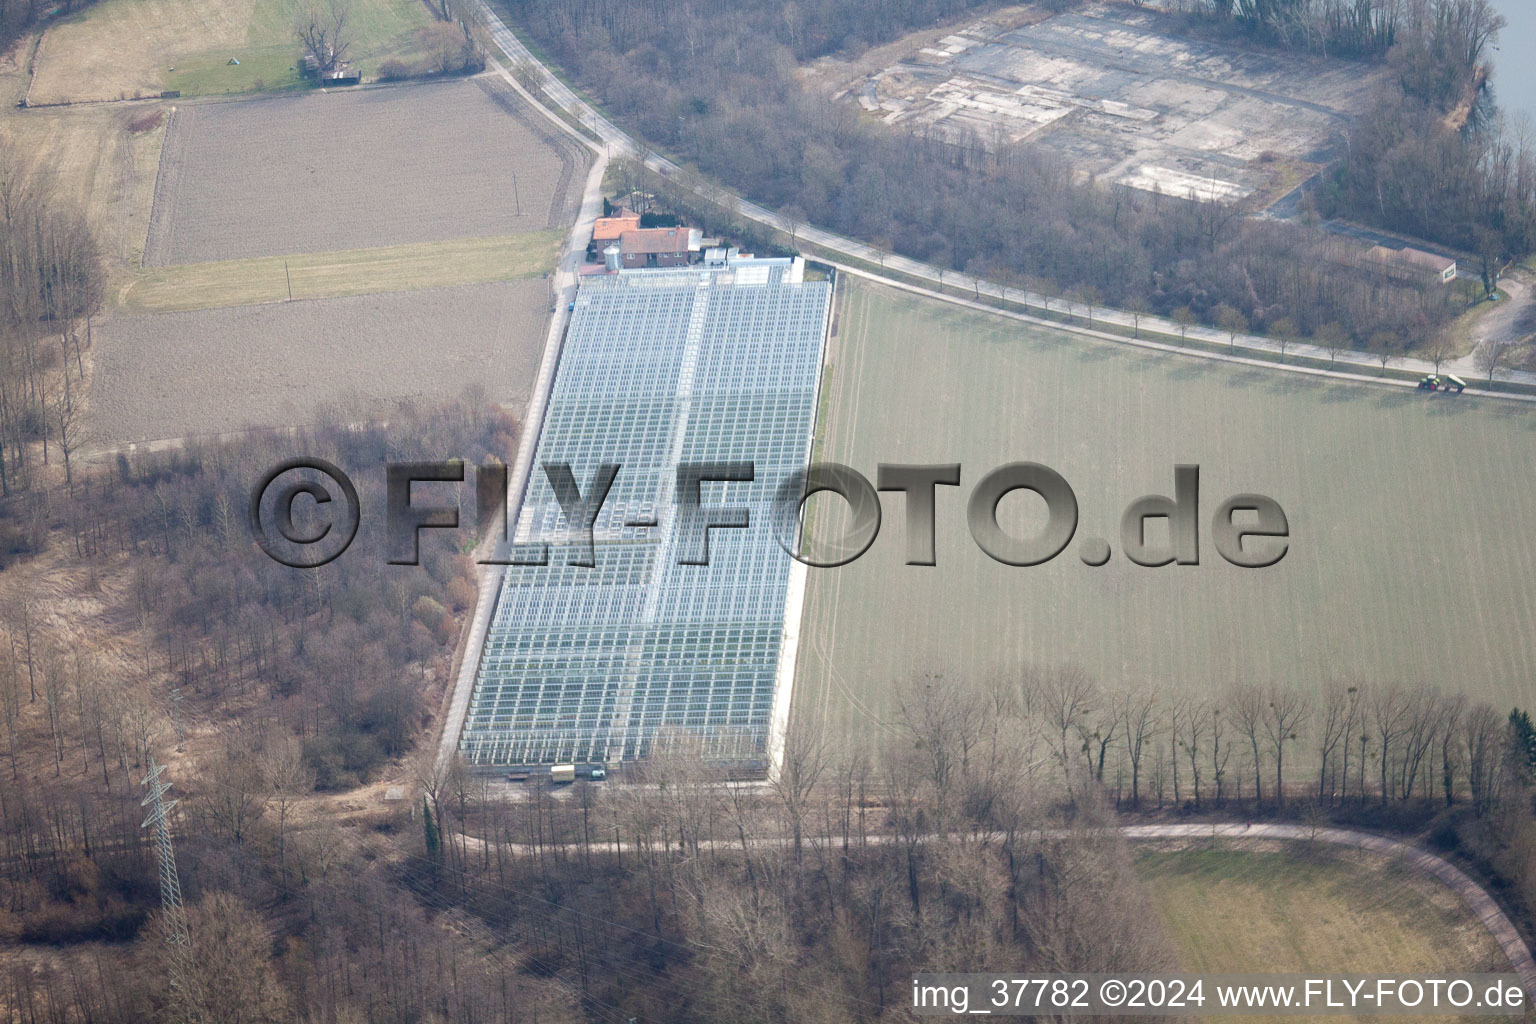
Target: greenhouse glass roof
658,368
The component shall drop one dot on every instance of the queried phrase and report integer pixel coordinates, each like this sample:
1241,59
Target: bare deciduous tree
1439,348
1141,726
1249,705
1341,702
804,759
1067,697
323,28
237,794
1333,338
289,778
1285,713
1492,357
1390,709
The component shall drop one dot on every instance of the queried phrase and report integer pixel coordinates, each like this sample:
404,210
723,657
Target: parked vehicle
560,773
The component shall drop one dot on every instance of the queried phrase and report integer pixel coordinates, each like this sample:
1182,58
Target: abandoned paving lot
1112,89
328,171
215,370
1412,520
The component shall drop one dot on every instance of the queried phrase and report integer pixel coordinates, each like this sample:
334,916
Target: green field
1412,519
129,47
1265,911
328,275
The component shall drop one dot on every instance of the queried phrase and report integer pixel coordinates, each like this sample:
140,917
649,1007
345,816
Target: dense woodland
1348,28
1473,189
1431,157
262,686
51,284
17,17
718,87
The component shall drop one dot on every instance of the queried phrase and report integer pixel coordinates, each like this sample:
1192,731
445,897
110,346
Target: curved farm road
1510,324
1482,905
1476,898
615,141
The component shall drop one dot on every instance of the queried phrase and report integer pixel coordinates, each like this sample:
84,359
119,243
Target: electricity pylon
175,916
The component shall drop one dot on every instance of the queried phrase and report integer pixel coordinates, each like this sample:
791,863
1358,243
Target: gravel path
1476,898
1512,322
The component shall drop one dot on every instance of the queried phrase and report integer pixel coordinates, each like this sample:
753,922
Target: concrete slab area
1117,92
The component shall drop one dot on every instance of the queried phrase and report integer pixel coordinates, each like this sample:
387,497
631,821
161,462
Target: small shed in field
341,74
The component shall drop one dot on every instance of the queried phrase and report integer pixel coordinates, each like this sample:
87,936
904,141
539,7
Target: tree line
967,825
1457,31
18,17
51,287
1431,156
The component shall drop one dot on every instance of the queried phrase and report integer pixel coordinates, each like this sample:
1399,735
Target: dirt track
326,171
217,370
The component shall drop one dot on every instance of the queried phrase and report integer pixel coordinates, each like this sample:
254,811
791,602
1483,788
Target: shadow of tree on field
1093,353
1143,362
1192,369
1292,384
1450,407
1247,378
1335,394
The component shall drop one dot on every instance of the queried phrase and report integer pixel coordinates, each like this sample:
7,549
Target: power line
181,735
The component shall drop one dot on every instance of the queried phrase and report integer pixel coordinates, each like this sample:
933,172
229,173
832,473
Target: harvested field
330,274
216,370
352,170
128,47
1412,520
1269,909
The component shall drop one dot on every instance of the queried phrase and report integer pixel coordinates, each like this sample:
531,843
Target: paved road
1237,356
616,142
